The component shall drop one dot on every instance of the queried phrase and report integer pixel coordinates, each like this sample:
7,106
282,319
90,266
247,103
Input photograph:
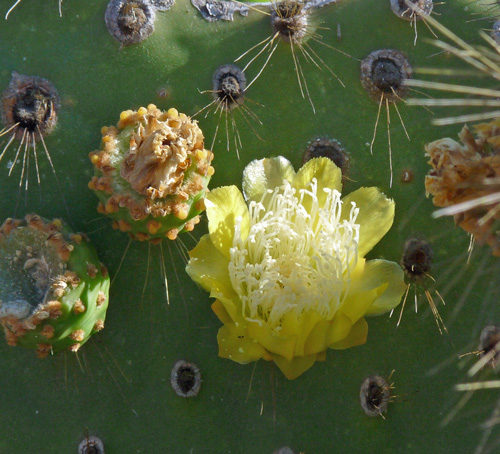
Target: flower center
297,257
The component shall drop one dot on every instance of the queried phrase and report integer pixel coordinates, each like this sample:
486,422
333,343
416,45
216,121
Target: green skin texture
124,378
167,222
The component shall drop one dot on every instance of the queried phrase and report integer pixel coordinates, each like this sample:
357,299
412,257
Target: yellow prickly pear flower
285,262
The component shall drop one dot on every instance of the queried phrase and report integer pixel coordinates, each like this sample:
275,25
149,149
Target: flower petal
376,214
236,345
208,268
390,296
298,365
360,295
376,287
221,312
228,310
357,336
272,342
340,327
327,174
263,174
224,206
309,325
317,340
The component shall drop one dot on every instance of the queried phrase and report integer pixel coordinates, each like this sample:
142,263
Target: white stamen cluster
298,255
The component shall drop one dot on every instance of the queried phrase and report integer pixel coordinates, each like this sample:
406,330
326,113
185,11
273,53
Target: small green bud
53,288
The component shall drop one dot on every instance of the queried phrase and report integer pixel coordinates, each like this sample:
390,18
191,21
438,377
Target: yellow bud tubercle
141,236
124,226
99,325
125,114
172,234
74,348
200,205
201,155
153,227
183,213
173,113
77,238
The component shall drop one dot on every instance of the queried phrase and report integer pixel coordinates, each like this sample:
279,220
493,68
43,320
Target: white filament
294,259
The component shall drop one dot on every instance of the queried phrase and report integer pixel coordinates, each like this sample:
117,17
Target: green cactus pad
151,173
124,378
53,288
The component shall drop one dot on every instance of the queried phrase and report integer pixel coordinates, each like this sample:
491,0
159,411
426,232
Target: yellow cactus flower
287,266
